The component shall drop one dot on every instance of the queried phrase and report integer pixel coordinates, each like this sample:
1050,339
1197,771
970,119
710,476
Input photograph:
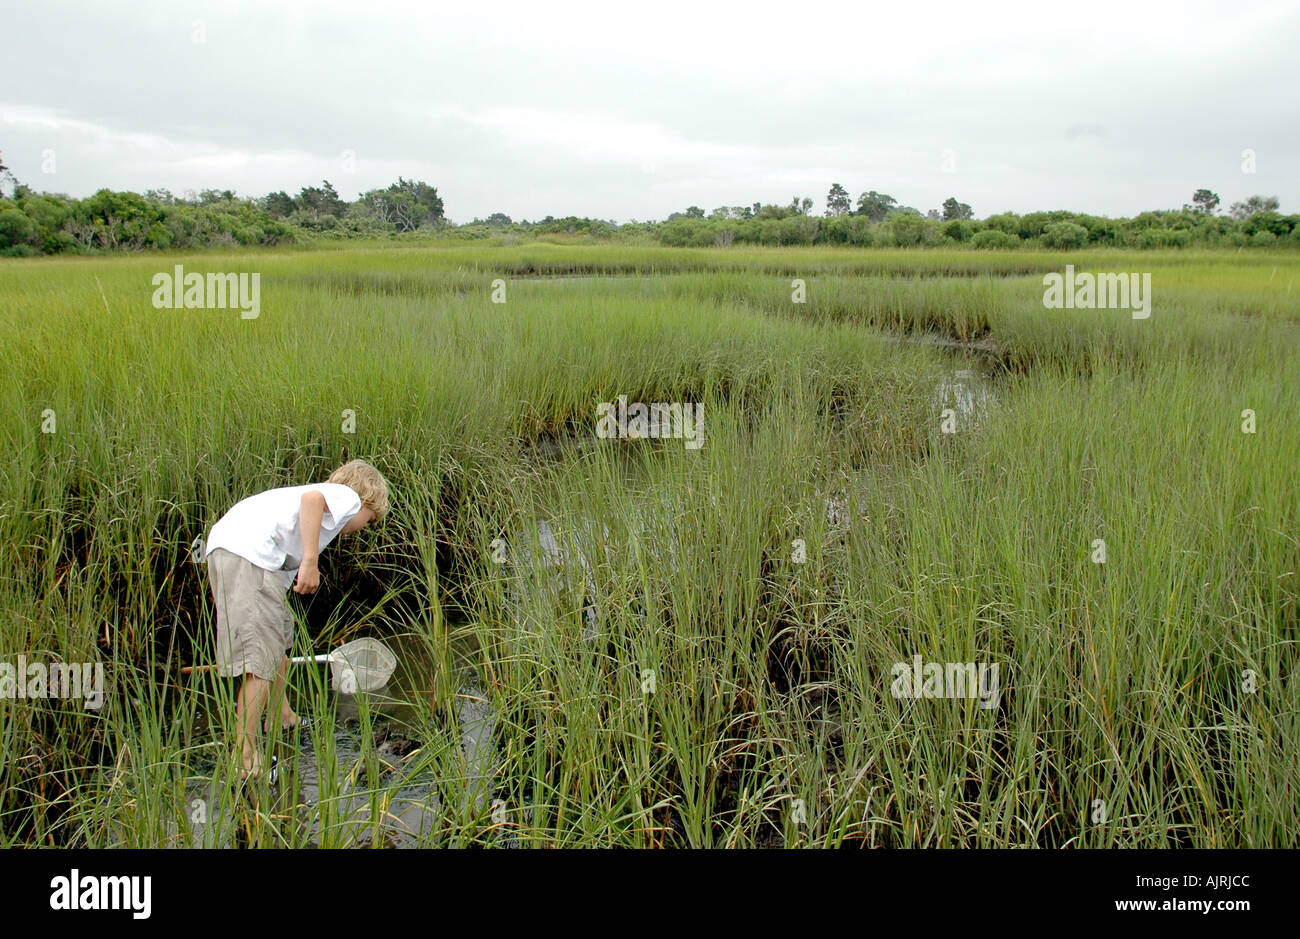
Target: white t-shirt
266,529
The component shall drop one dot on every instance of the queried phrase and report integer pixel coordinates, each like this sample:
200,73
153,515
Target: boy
255,552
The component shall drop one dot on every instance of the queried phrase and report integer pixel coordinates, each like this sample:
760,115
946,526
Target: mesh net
361,665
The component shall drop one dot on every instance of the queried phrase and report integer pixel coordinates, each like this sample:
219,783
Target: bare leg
252,701
279,697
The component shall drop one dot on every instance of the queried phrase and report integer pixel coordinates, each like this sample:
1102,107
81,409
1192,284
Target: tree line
51,223
878,219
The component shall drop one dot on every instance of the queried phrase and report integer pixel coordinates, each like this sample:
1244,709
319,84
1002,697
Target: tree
407,204
209,196
801,206
777,211
115,220
15,229
6,175
1203,202
1269,221
837,201
498,220
49,213
959,229
279,204
322,201
932,215
952,209
694,211
1253,205
875,205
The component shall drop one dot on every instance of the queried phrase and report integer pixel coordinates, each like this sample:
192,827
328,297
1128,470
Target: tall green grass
728,695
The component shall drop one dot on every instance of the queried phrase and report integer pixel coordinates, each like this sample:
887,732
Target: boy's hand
308,578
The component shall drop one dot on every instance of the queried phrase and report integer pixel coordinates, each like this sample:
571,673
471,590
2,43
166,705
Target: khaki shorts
254,623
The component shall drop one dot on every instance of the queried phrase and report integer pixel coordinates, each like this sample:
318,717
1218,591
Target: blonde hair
367,482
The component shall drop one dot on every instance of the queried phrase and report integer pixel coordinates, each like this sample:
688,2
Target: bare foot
288,720
252,763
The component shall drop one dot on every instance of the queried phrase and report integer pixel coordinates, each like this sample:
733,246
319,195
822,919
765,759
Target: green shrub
1035,223
1152,238
1007,222
993,238
907,230
15,227
1271,222
1064,235
959,230
706,236
49,214
769,231
846,230
679,233
1102,231
859,232
798,230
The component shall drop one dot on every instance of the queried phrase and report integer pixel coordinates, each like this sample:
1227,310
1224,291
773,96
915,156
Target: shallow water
410,808
968,393
543,568
552,564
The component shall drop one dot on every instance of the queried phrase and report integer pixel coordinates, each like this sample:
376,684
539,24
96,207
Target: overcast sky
626,110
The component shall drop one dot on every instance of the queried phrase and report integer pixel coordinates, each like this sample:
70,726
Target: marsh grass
681,679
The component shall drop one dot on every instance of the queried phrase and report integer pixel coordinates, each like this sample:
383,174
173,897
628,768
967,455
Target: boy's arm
310,515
